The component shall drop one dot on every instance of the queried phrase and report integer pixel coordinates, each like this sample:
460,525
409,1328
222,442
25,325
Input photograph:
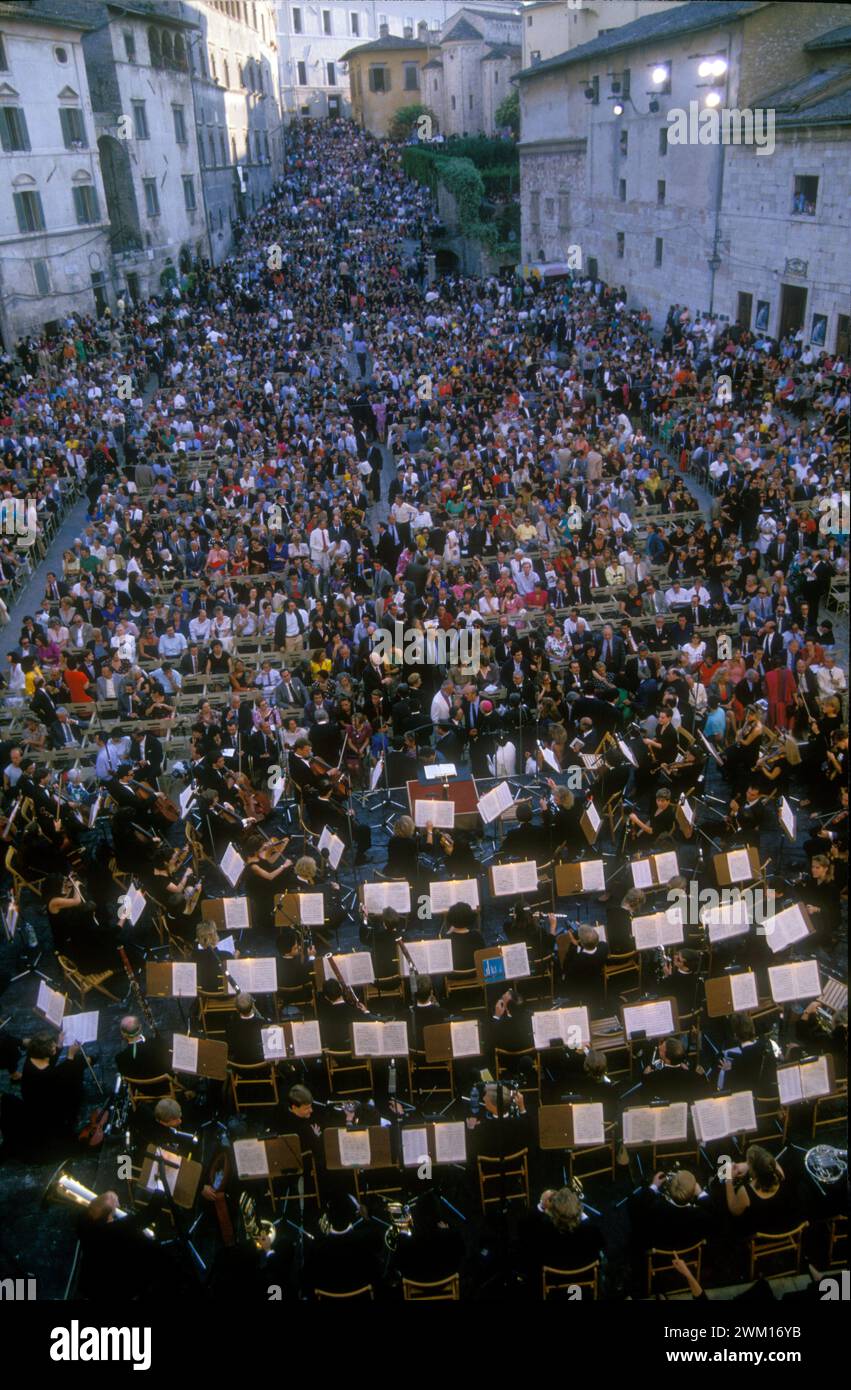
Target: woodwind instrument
137,992
7,828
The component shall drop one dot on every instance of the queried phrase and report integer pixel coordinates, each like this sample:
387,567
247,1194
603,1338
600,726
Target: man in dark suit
611,650
64,732
42,704
659,636
779,553
770,644
146,751
244,1038
141,1058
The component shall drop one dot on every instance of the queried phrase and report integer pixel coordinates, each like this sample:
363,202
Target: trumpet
63,1188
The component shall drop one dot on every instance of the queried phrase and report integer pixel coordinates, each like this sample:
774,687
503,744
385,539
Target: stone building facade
729,229
54,227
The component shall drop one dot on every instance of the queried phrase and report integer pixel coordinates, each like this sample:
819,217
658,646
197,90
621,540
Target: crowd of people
354,524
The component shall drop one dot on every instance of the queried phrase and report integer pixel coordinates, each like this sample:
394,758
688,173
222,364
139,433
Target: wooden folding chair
446,1290
494,1172
13,863
620,964
301,997
660,1266
366,1291
83,984
772,1120
837,1242
581,1162
253,1085
786,1246
214,1009
150,1089
306,1183
830,1111
466,982
437,1078
505,1063
557,1281
340,1065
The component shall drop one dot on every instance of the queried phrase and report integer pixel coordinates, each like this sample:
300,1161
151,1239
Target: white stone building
480,51
233,56
554,26
717,228
312,39
54,229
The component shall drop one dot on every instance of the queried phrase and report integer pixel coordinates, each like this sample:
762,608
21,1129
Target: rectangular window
4,66
622,190
412,77
658,251
495,77
624,142
805,196
140,121
535,56
535,208
326,22
179,125
663,142
73,130
42,277
621,241
202,153
379,79
564,211
13,129
332,74
86,205
660,193
592,91
453,103
29,212
130,45
471,101
302,74
297,26
625,81
354,23
152,197
189,193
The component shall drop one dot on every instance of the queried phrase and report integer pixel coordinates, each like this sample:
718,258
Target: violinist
264,876
75,929
746,817
740,760
301,770
323,811
660,827
178,899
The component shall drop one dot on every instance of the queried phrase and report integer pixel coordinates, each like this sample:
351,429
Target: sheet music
257,975
429,957
354,1147
495,802
277,793
672,1121
739,866
50,1003
334,845
639,1125
444,894
688,813
789,1085
834,996
135,903
232,865
80,1028
440,813
730,919
785,928
414,1147
666,865
184,1053
593,876
465,1039
656,1020
551,760
657,929
170,1166
450,1142
514,878
595,820
438,771
627,752
184,979
227,946
795,981
642,873
515,958
377,896
588,1127
570,1026
311,909
274,1045
710,1119
187,796
252,1160
591,761
306,1039
236,914
376,774
743,992
547,1028
815,1079
788,819
356,968
740,1110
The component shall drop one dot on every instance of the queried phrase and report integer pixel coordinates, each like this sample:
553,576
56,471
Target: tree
508,113
414,117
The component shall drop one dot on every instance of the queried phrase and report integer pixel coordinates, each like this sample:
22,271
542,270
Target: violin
340,784
256,805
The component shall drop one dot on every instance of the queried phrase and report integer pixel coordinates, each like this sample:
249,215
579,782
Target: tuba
257,1229
63,1188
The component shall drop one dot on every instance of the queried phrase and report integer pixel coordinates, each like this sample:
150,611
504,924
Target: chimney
383,30
408,31
422,31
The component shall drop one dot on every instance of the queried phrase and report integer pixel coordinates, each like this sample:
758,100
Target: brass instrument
257,1229
65,1188
400,1221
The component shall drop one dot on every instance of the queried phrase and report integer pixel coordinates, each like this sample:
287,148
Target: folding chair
247,1079
513,1169
556,1281
660,1266
83,984
786,1246
446,1290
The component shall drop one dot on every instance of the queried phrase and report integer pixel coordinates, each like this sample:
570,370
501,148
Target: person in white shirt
200,628
527,579
830,677
441,705
320,545
124,643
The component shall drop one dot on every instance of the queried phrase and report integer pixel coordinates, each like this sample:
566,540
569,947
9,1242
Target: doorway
744,310
793,306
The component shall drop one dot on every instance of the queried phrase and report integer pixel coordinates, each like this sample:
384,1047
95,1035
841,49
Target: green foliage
484,151
500,180
492,172
508,112
405,119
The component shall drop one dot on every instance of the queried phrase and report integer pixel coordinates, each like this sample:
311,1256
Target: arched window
179,52
167,50
154,48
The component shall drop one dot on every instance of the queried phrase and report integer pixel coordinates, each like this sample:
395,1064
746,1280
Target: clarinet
136,990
